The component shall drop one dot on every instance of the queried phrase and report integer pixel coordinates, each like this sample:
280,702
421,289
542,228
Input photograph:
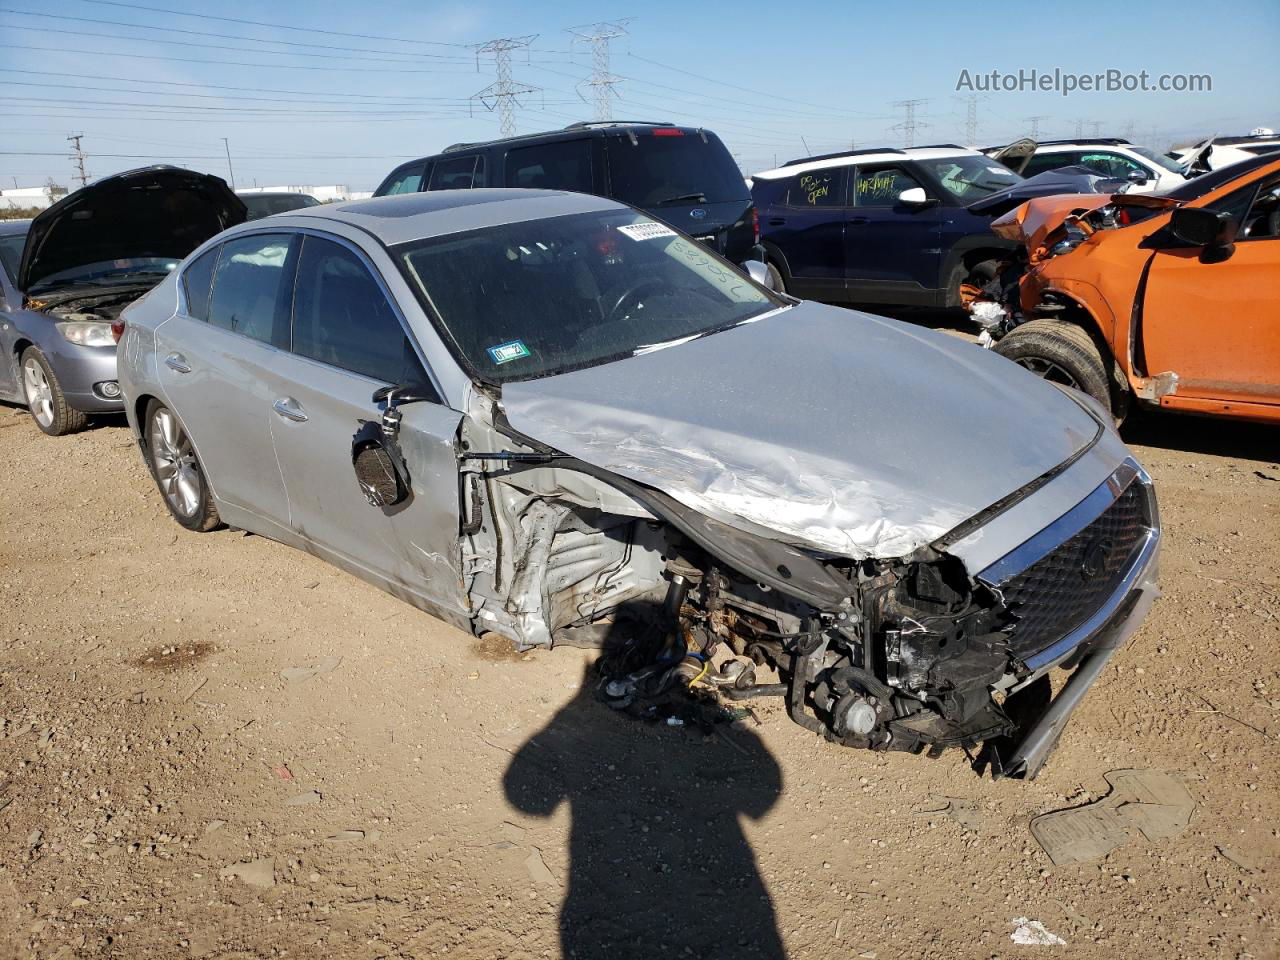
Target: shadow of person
658,862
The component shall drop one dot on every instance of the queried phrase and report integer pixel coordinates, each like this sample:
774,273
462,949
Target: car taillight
755,224
117,330
668,132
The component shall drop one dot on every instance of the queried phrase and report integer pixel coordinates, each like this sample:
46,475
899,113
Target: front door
808,227
214,356
893,250
1214,317
348,340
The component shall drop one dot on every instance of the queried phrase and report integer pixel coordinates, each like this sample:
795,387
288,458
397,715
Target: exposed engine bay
900,654
80,305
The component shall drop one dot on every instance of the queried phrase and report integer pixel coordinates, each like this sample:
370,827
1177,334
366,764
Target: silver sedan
549,417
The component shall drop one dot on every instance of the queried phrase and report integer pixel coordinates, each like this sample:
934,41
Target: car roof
10,227
887,155
271,193
574,131
404,217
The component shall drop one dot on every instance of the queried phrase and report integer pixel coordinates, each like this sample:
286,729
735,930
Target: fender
968,244
777,257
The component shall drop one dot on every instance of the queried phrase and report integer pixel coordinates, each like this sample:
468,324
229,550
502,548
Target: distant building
26,198
325,194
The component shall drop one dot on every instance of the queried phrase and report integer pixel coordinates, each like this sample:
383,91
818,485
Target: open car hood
158,211
822,427
1073,180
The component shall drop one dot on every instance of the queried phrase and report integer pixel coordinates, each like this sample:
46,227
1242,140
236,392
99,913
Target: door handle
176,361
288,408
858,221
777,221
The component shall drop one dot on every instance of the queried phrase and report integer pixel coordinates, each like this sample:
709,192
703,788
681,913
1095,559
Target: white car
1146,170
1218,152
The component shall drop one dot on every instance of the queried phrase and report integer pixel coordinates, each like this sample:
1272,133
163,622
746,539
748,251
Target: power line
275,26
502,93
602,81
223,63
1035,124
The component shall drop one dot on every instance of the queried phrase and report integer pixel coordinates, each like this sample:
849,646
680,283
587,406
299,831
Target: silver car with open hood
547,416
66,275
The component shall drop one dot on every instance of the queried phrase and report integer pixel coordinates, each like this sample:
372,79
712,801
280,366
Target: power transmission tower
971,120
1079,128
502,93
1035,124
602,81
910,124
82,176
1129,128
1097,127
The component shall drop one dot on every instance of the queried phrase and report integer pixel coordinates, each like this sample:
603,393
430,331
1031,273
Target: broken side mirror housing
379,467
1202,227
914,197
1137,176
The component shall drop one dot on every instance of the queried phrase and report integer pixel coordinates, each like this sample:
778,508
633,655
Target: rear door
892,249
348,340
1214,317
808,226
215,356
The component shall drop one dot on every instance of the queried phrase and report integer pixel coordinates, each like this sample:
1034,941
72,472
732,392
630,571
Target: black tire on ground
177,470
46,402
979,274
775,279
1060,352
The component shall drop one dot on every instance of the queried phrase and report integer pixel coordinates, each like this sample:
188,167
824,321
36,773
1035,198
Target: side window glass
817,188
197,283
405,180
342,318
1263,218
552,166
880,188
1044,162
456,173
479,179
248,287
1236,203
1111,164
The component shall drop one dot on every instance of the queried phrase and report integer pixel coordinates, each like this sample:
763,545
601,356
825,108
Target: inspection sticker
506,352
646,231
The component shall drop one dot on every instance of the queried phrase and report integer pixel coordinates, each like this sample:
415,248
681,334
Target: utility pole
910,124
82,176
502,93
226,146
602,81
1035,124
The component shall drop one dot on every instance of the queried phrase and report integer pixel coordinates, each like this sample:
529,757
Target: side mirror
379,468
1201,227
915,197
1137,176
405,393
758,272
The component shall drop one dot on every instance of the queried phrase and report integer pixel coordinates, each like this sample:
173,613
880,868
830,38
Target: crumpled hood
158,211
1031,224
1075,180
829,428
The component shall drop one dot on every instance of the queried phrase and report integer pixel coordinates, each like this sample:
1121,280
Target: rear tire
775,279
1061,353
45,400
177,470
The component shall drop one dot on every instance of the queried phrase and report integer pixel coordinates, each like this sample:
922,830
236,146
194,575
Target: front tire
46,402
776,282
177,470
1060,353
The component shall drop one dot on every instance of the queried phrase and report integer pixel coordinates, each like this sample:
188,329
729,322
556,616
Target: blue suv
904,227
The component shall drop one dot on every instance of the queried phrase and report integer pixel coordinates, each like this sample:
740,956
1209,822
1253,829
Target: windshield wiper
682,198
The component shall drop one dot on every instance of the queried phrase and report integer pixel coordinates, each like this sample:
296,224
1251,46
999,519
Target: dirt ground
166,792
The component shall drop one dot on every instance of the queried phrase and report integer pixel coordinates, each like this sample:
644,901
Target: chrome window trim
1066,526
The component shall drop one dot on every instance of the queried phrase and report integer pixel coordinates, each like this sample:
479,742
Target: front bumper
1092,643
82,371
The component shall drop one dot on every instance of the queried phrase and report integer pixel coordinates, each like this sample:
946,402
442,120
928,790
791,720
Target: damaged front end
915,654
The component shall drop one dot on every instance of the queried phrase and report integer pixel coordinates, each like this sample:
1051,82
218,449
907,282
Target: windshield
1159,159
11,254
111,272
533,299
667,169
971,178
265,204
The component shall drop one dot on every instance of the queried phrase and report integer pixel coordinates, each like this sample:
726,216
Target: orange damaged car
1167,300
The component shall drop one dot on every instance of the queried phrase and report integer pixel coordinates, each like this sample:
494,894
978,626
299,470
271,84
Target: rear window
457,173
407,179
667,169
564,165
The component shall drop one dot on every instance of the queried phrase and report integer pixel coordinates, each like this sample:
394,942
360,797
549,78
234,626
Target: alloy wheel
175,463
39,392
1048,370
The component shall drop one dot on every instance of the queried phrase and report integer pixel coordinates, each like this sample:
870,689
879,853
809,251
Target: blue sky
775,81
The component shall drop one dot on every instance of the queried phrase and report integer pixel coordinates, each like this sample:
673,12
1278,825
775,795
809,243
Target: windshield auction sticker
646,231
506,352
